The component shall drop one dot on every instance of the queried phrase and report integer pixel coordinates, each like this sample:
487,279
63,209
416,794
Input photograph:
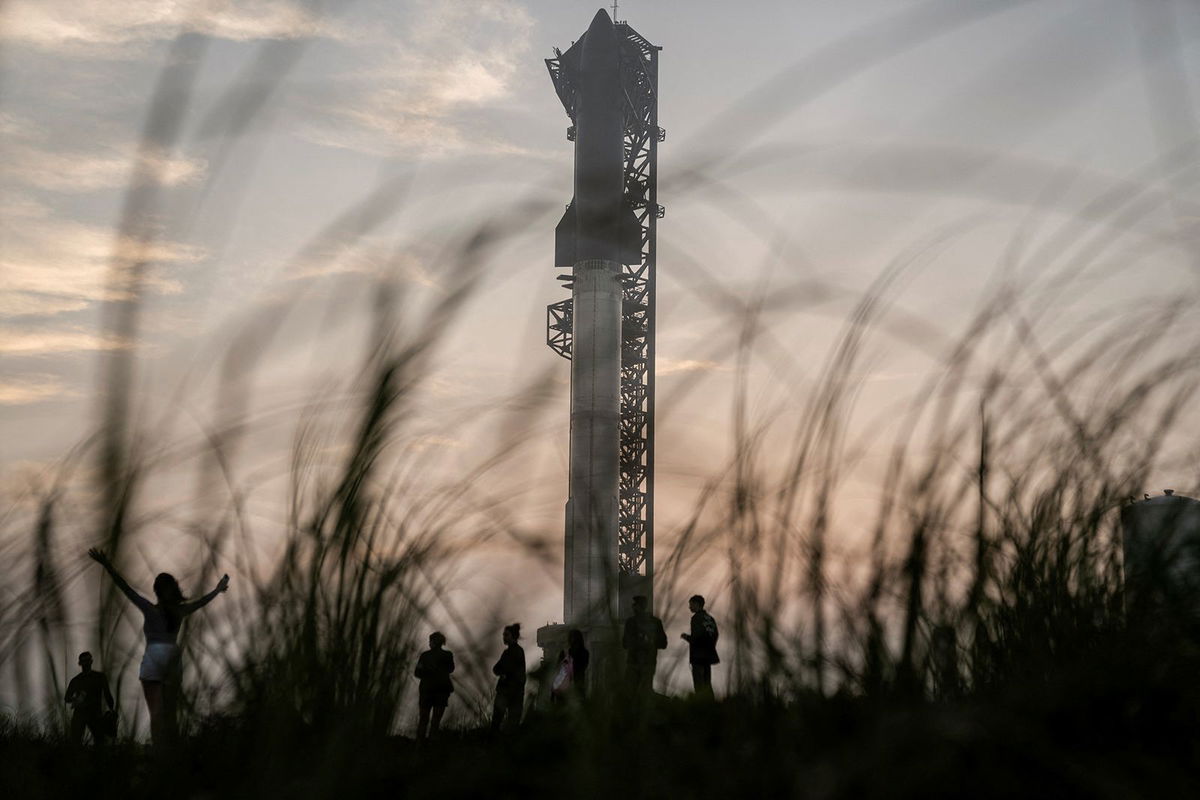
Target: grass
975,641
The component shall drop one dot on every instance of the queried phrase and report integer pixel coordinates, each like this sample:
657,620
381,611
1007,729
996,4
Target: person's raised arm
101,558
199,603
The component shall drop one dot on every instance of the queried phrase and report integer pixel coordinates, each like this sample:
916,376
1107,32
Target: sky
809,144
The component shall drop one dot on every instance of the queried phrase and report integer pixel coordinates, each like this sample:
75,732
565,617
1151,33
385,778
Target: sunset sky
810,144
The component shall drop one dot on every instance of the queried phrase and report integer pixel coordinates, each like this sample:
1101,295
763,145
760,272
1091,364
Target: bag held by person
563,677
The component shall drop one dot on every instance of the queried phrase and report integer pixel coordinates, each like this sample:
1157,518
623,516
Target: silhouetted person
433,670
159,672
643,638
702,647
87,693
576,659
578,655
510,684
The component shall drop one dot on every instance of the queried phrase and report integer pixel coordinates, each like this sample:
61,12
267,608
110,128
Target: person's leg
702,680
436,723
170,706
644,682
422,721
77,725
631,680
513,712
152,690
498,709
96,726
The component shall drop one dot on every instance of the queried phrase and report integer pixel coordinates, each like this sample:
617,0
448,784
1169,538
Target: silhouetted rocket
599,223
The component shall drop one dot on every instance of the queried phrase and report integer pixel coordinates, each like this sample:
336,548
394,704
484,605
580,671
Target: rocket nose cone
600,21
601,36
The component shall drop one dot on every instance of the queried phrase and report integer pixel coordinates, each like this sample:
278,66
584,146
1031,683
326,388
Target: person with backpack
702,647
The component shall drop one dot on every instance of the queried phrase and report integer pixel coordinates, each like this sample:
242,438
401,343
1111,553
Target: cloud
32,389
434,441
452,58
85,172
35,342
106,28
670,366
25,304
50,265
29,160
373,259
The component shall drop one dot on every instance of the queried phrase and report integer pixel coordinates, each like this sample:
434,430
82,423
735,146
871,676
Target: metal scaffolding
639,79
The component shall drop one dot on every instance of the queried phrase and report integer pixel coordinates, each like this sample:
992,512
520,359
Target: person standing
571,679
510,682
433,671
642,639
579,657
159,672
702,647
86,694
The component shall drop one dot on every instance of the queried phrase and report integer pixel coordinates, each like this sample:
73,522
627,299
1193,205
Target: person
571,679
510,683
160,623
642,639
579,657
702,647
86,694
433,671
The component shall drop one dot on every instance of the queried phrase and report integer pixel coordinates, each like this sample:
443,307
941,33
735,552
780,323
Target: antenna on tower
614,11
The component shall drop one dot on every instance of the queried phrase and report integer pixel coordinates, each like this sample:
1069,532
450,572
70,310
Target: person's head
167,590
639,604
575,638
436,640
696,603
85,660
512,633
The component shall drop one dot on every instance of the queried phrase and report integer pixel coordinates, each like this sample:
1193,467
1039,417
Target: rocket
599,223
597,234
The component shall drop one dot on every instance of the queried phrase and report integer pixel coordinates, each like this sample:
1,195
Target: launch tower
608,84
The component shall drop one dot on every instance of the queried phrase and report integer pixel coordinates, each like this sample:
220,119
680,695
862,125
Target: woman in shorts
433,671
160,622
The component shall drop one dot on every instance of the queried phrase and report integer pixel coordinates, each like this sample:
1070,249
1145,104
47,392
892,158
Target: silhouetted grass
965,635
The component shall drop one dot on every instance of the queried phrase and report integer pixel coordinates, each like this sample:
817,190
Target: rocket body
590,240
